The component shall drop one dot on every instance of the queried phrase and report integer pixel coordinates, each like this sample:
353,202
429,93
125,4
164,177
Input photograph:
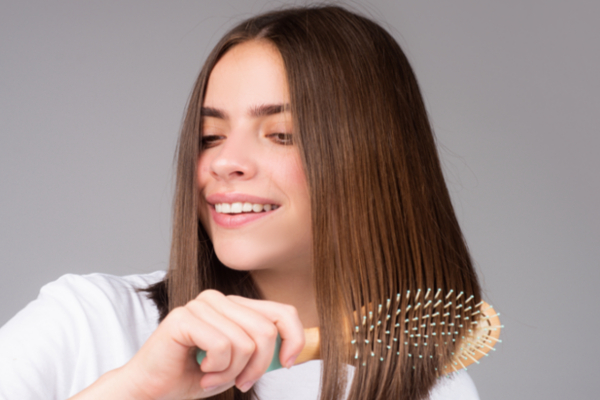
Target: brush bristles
443,328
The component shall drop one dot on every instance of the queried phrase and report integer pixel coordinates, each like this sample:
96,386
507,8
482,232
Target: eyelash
284,139
287,138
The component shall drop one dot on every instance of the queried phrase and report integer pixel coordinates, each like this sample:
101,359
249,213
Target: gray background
92,96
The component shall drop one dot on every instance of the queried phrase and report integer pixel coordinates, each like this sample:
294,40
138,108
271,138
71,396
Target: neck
286,287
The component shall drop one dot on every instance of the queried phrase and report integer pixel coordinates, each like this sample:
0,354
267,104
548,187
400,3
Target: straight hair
382,218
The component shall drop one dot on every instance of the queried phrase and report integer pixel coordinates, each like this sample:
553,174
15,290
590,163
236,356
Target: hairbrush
468,331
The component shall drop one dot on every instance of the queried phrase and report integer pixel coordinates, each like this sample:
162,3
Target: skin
244,154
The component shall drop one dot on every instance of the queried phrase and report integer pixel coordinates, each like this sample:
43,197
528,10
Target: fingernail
246,386
290,362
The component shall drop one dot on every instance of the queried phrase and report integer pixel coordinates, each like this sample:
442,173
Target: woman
308,191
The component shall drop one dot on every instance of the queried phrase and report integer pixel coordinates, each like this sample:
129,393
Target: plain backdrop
92,96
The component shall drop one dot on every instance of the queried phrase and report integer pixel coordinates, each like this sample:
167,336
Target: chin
242,258
281,250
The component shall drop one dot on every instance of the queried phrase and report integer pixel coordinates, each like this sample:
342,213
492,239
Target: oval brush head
443,331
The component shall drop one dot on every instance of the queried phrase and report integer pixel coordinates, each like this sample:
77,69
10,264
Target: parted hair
382,218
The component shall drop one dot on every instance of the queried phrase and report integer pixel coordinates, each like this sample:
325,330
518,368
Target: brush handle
310,351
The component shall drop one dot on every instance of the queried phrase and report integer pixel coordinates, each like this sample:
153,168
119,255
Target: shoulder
98,286
98,294
76,304
79,327
456,386
73,296
103,300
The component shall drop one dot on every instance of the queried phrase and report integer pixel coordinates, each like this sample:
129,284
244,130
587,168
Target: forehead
248,75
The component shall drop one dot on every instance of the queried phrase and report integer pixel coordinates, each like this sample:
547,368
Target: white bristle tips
417,323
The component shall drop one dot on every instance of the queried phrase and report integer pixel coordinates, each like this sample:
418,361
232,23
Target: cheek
292,179
202,172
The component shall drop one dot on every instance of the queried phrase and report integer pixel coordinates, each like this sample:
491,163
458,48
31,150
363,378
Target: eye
209,141
282,138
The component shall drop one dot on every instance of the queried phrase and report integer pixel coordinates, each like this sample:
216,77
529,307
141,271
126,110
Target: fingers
285,318
232,349
190,331
250,327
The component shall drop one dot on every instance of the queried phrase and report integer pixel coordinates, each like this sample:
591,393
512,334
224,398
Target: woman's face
254,200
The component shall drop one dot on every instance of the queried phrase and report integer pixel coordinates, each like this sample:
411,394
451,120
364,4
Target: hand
238,335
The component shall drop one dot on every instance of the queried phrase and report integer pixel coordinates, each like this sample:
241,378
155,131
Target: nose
234,160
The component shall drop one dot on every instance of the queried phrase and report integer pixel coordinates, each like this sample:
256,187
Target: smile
238,208
236,219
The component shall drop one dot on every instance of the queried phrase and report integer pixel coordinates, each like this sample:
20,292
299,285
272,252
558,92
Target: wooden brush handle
312,346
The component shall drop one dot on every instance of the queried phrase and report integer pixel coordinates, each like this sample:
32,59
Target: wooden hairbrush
471,329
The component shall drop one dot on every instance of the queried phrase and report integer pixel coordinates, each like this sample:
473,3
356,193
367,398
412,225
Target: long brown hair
382,220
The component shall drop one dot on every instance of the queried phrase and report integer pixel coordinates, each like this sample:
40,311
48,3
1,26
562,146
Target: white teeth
236,208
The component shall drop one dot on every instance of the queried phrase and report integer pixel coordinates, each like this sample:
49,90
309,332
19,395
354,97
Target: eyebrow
256,111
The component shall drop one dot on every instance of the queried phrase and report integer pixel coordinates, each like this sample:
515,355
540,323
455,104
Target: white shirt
82,326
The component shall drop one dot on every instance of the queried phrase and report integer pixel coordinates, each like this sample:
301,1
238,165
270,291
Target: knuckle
271,331
178,314
209,294
247,348
197,304
221,345
291,310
